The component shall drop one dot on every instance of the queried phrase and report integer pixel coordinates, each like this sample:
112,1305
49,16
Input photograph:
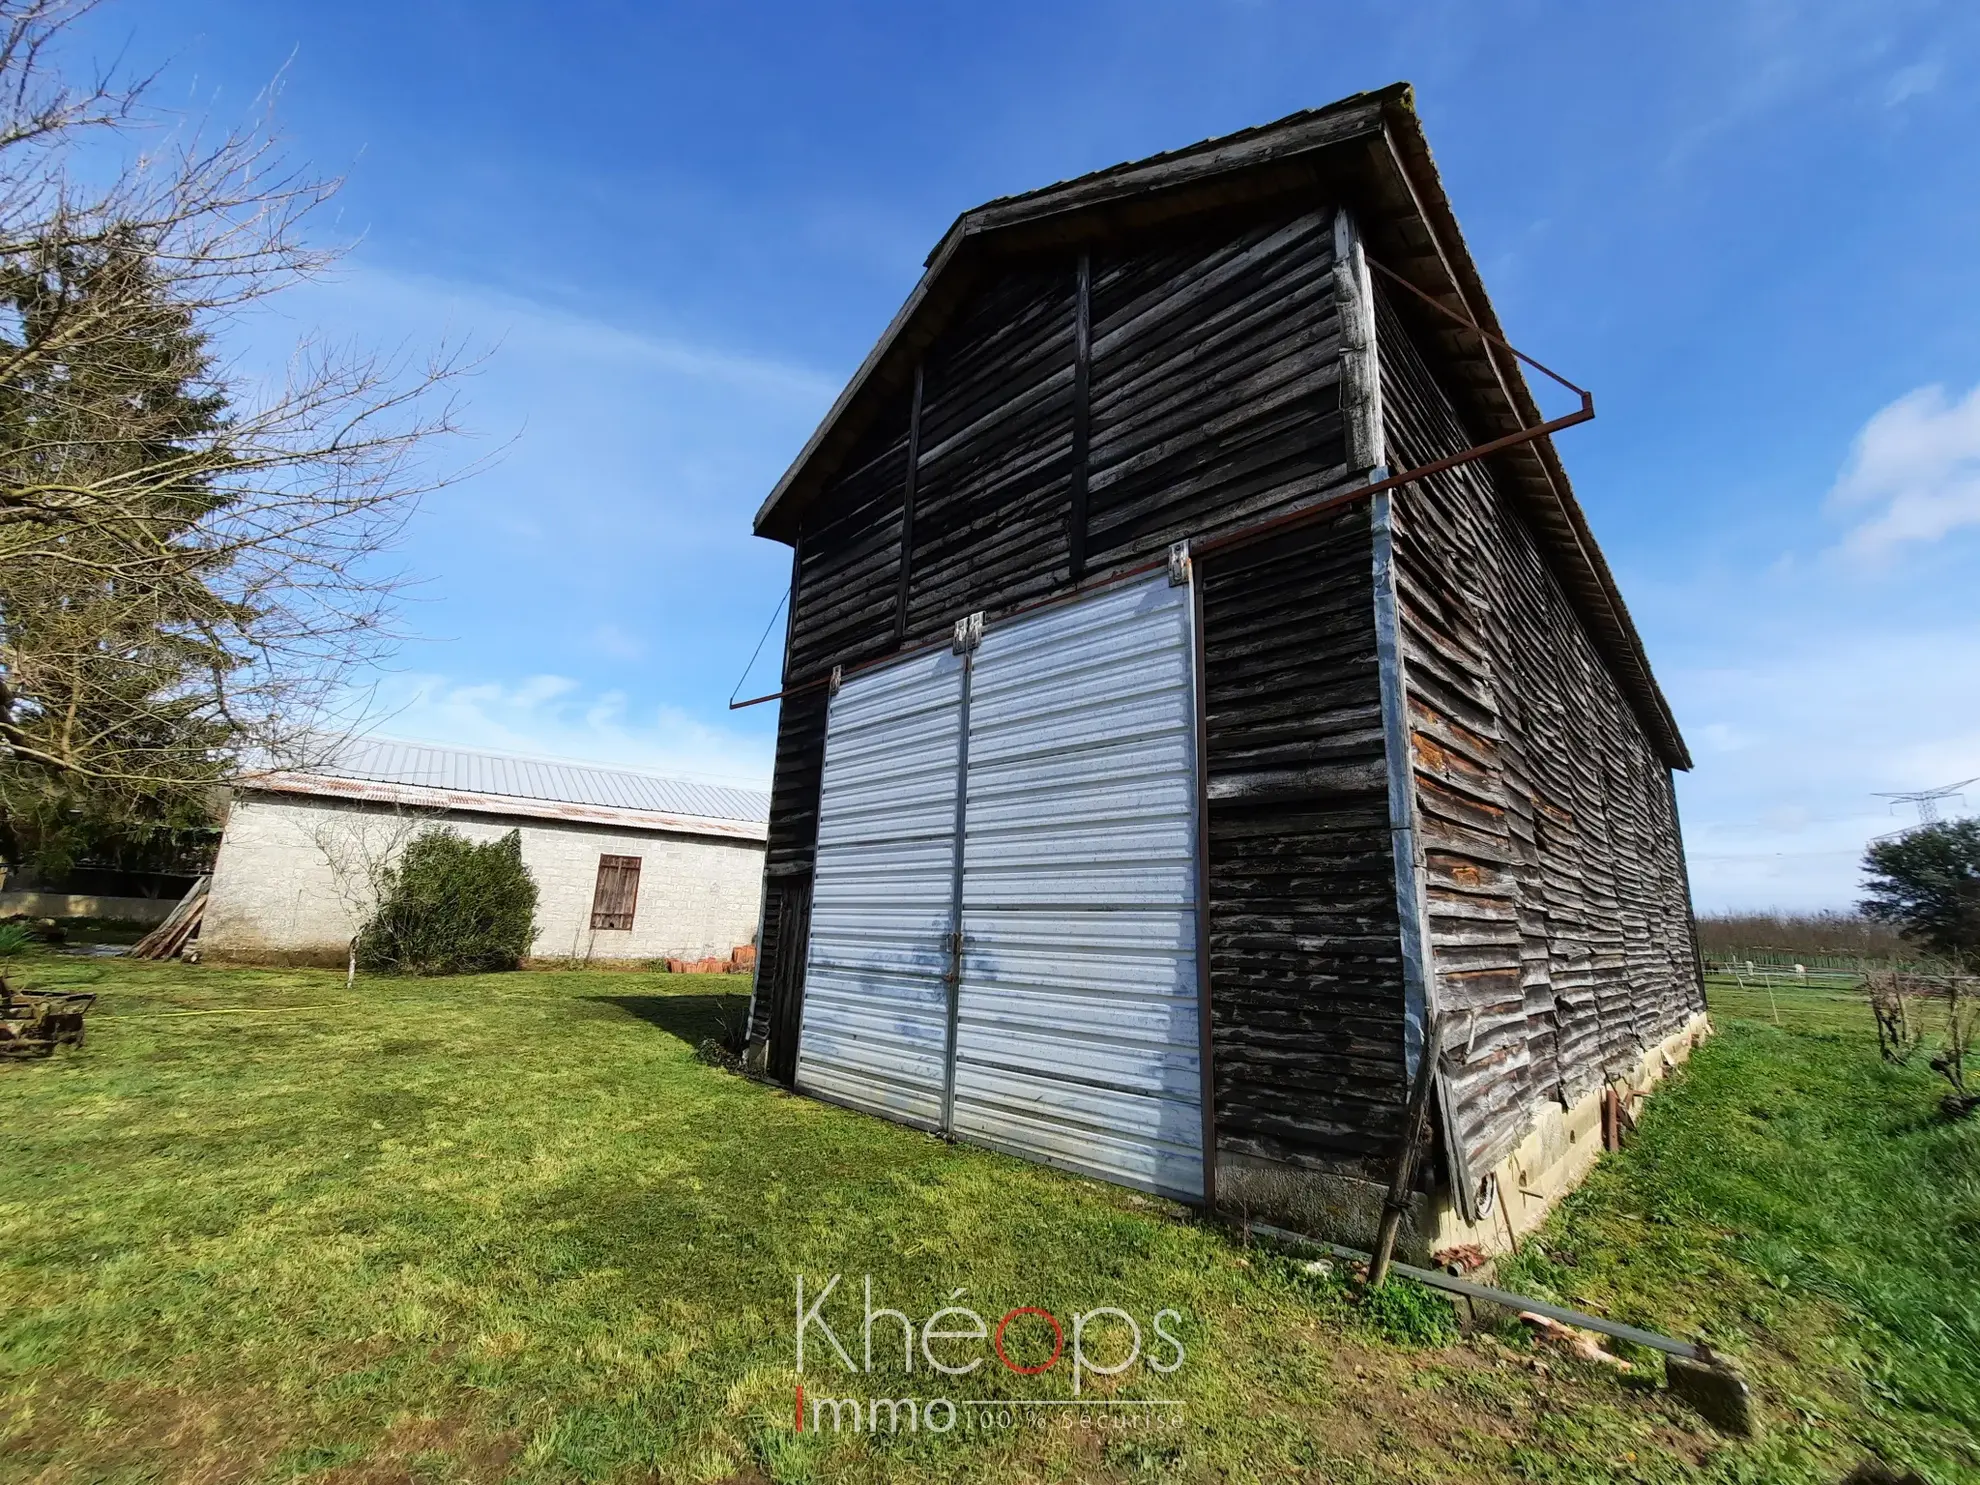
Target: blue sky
1752,227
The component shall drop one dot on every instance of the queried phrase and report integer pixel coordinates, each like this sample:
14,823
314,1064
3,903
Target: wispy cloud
1798,739
538,328
1915,467
557,716
1915,81
614,640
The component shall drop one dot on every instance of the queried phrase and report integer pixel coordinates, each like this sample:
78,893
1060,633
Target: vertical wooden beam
907,510
1082,382
1402,784
1361,381
1205,1051
1405,831
760,1032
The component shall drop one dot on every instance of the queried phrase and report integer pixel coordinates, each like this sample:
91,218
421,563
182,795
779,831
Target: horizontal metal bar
1519,1303
1203,547
1307,514
1476,328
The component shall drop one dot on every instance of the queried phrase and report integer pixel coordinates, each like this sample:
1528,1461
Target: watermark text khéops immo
957,1340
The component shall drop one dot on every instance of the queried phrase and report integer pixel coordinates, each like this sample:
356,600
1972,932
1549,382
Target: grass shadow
692,1018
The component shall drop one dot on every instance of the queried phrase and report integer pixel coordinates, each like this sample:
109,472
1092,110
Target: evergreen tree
102,671
1927,882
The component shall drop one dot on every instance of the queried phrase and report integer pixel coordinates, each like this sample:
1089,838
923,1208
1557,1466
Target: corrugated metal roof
504,783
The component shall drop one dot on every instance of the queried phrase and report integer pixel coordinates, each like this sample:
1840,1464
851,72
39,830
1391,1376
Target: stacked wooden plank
169,939
1216,382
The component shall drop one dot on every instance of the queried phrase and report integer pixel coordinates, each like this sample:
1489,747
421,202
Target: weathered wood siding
1215,383
1212,397
1559,927
993,486
1305,965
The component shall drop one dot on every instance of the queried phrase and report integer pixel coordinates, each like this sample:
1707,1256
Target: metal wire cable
753,654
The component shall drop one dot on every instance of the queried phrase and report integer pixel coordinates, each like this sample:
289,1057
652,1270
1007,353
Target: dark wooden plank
906,562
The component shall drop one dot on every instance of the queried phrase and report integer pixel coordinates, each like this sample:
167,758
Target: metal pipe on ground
1693,1371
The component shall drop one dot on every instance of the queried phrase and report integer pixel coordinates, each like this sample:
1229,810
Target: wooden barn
1200,678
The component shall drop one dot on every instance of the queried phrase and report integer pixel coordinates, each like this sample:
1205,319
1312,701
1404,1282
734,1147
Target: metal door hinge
969,633
1178,564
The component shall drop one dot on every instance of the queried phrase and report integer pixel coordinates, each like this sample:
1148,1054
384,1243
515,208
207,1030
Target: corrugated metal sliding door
1077,1027
876,998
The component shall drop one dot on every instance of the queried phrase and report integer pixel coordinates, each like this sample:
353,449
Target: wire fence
1750,973
1793,962
1874,985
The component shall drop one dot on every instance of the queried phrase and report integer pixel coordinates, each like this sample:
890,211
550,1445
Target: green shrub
1410,1313
451,906
15,938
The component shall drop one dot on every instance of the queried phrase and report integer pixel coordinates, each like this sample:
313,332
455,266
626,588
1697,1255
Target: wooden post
1414,1123
911,481
1081,412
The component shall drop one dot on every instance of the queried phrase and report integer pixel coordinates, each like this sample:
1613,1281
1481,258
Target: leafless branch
178,588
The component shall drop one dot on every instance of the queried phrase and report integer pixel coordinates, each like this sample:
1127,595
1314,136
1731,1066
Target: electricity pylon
1927,800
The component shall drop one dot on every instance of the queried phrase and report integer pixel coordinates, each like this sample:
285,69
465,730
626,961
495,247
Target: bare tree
1891,993
360,847
190,554
1962,1027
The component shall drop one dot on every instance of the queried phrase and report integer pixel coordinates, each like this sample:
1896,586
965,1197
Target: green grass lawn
262,1228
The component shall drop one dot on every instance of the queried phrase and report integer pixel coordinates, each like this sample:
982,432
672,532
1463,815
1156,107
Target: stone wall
290,882
85,905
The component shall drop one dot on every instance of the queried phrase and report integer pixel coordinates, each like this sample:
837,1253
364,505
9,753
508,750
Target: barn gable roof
1367,151
383,770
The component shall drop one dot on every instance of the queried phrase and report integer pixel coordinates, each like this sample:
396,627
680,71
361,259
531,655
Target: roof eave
1601,603
507,806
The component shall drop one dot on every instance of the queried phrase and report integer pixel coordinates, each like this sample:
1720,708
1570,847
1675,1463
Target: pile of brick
741,960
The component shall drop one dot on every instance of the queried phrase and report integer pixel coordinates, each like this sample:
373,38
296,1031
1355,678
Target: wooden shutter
617,892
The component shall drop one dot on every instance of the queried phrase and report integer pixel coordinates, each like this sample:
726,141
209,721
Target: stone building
628,866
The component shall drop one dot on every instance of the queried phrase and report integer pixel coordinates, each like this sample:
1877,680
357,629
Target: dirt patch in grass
85,1433
414,1451
88,1432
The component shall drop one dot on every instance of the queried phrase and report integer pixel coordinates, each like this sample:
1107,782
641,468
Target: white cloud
1916,467
1721,737
528,328
1826,722
555,716
616,641
1911,82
